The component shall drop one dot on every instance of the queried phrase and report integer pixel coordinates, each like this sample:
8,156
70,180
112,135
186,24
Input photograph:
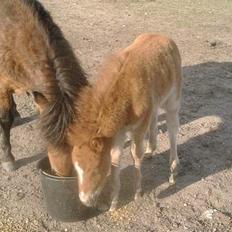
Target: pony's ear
96,144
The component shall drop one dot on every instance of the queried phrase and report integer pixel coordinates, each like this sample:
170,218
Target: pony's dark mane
69,75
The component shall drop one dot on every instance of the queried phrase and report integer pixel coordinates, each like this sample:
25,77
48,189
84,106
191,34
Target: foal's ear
96,144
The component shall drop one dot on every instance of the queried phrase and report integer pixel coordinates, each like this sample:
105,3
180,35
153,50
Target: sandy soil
202,198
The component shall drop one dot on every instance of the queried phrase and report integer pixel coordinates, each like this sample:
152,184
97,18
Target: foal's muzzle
89,200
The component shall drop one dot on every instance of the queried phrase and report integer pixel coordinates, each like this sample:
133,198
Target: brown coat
130,87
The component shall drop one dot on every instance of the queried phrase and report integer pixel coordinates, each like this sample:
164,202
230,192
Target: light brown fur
128,91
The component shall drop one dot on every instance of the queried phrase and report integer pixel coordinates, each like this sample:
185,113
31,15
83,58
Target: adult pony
134,83
35,57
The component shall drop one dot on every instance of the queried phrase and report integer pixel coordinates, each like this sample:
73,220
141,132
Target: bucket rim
50,176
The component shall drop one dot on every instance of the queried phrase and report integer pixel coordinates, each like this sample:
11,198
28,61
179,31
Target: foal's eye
80,146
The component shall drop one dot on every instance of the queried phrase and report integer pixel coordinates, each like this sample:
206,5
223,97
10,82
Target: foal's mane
94,99
68,74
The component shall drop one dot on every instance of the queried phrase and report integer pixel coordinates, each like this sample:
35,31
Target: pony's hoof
9,166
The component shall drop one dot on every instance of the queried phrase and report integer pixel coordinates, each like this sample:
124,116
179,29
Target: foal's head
91,158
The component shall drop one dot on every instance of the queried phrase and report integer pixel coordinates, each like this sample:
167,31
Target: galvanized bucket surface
61,195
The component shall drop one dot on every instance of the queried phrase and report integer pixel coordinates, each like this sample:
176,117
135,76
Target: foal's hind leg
6,120
150,140
172,117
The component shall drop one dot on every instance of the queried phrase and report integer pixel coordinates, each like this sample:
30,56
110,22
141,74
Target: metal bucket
61,195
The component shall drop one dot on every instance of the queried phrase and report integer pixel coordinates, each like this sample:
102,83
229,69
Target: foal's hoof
172,179
138,196
114,206
9,166
148,155
174,174
102,207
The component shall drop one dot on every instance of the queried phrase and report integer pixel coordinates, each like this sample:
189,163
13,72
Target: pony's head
92,161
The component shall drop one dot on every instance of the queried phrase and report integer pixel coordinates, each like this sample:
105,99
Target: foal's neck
114,107
103,108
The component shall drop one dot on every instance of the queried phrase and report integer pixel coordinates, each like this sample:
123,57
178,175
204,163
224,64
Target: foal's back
152,70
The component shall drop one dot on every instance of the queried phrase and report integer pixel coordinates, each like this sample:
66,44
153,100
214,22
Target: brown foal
132,85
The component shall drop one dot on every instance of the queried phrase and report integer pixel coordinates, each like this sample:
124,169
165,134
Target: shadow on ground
25,161
20,121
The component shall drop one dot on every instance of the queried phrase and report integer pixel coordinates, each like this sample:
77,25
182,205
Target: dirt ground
202,198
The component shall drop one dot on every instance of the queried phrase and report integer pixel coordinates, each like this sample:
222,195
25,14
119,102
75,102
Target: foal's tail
61,94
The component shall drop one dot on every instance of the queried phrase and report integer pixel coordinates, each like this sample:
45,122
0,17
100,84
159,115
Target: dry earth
202,198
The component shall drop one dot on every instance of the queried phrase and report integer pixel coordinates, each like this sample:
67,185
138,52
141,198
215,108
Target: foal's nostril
87,200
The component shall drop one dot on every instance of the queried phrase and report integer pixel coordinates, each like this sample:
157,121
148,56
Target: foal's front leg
6,120
150,138
116,153
137,152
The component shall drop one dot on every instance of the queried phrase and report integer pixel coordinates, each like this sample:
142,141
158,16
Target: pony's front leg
60,159
6,120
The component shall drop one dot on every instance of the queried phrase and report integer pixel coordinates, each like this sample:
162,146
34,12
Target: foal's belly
129,130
